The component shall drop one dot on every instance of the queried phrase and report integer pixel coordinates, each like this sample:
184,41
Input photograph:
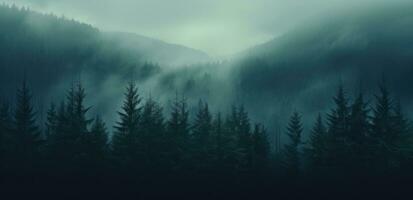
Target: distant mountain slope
302,69
52,52
157,50
40,44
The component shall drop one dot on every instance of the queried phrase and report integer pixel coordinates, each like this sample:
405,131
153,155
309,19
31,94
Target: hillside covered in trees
326,106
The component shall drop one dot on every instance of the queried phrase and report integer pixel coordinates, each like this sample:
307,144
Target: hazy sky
218,27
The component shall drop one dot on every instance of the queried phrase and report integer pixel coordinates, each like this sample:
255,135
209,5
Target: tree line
355,136
143,140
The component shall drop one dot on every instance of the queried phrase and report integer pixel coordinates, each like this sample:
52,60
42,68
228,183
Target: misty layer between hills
297,71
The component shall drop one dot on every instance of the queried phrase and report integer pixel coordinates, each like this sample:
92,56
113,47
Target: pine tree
235,157
383,134
125,139
219,140
402,127
67,145
338,132
96,143
26,134
78,125
317,144
201,137
291,150
261,148
339,117
359,128
153,135
244,137
178,133
382,116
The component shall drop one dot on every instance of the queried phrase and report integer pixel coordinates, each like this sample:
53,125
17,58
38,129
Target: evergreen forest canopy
291,123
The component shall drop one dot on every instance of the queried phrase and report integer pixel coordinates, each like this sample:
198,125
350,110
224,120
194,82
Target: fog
218,27
298,70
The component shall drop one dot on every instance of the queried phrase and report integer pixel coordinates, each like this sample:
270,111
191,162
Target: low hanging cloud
215,26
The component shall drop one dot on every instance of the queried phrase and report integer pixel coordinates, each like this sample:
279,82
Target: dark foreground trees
148,147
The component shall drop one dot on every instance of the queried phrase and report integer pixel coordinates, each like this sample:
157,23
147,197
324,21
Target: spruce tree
125,139
402,127
235,154
202,137
338,132
67,145
96,143
244,137
292,148
317,145
153,135
359,129
219,141
26,135
178,133
383,134
261,148
78,124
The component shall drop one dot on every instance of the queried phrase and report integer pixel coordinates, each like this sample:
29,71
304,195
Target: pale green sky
218,27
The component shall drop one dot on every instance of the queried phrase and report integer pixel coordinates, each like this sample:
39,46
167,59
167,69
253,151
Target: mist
220,28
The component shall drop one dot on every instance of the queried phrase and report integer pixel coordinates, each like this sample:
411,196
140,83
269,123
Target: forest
357,137
320,110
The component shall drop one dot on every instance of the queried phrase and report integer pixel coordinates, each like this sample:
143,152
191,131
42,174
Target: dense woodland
357,136
154,145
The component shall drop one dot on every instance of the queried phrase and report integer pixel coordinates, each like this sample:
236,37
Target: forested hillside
301,68
318,109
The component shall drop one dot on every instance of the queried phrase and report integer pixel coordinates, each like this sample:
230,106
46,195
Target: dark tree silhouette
125,138
26,135
152,138
177,133
292,148
317,150
338,131
358,138
96,145
202,137
261,149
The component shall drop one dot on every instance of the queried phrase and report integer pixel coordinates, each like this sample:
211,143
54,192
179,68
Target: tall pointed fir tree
338,131
26,135
67,145
96,144
359,129
385,133
402,127
81,123
202,138
178,133
219,142
125,142
317,144
292,149
261,148
382,131
244,137
153,135
234,153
